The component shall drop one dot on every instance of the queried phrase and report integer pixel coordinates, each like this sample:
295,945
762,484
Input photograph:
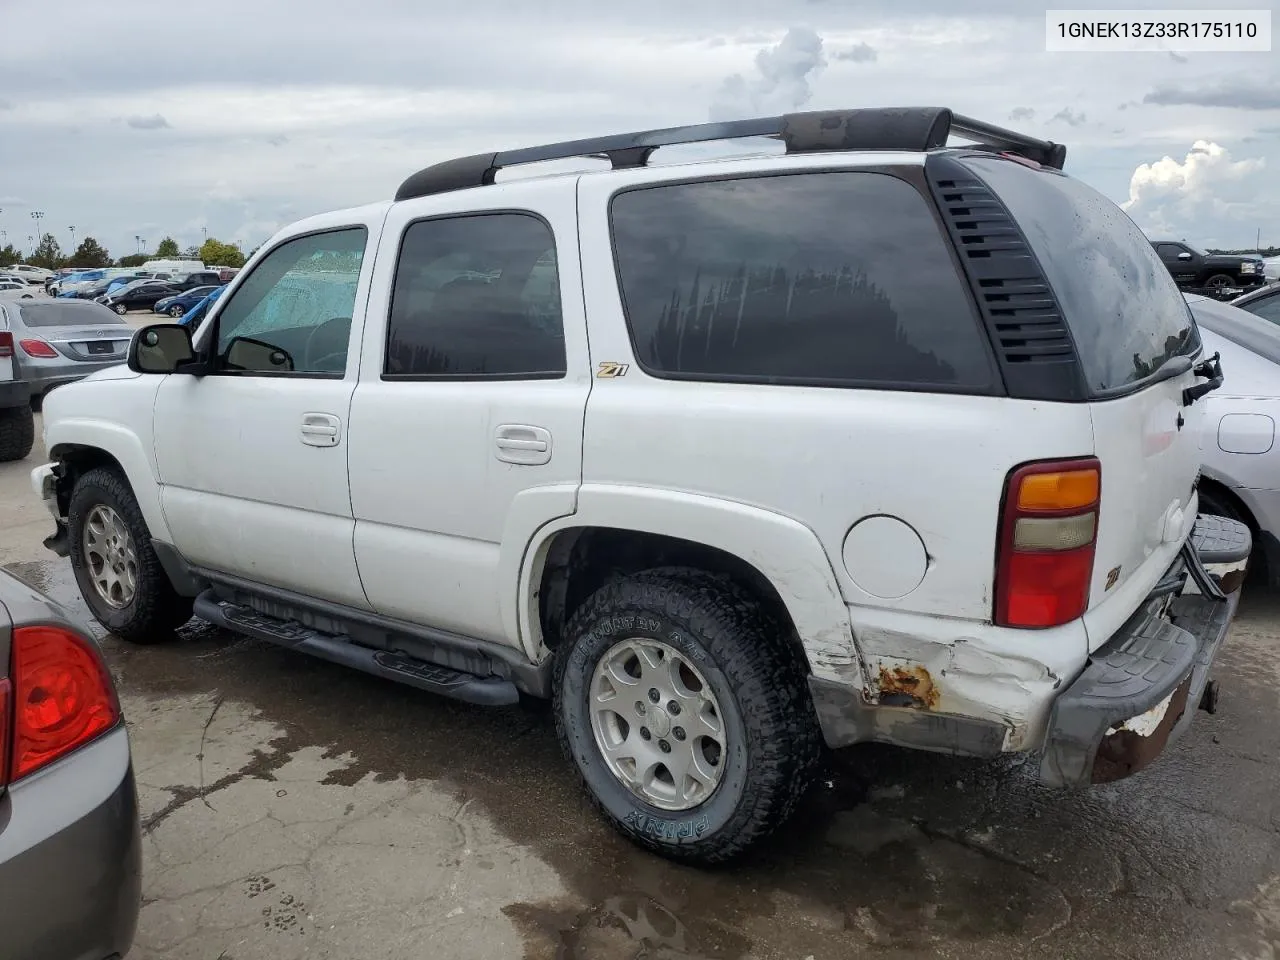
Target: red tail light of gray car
57,698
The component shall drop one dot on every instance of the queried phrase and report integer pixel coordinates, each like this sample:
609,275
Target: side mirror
161,348
1184,255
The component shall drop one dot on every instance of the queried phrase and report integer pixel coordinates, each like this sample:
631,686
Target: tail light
60,698
1048,531
6,344
37,348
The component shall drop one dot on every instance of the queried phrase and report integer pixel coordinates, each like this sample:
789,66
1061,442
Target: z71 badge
1112,576
611,369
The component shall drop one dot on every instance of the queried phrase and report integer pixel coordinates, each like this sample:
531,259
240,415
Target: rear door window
825,279
1126,314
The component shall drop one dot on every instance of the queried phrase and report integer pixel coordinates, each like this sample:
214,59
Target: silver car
61,341
70,838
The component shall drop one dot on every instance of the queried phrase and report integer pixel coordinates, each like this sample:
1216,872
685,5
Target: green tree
134,260
48,254
90,253
216,253
9,255
168,249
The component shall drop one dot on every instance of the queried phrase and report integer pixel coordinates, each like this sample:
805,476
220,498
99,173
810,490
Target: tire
17,432
155,609
120,308
176,312
772,743
1219,280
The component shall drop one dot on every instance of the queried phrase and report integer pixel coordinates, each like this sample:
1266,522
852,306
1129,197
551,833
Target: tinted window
477,297
1169,251
823,278
1125,313
66,313
293,313
1266,307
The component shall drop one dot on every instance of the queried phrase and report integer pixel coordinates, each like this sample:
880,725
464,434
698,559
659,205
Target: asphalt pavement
293,808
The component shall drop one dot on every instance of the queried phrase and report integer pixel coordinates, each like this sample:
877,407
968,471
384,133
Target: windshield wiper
1172,367
1210,368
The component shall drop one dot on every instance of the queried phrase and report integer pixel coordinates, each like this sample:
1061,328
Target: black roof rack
881,128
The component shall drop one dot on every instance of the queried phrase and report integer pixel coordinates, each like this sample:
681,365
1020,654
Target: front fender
64,435
785,551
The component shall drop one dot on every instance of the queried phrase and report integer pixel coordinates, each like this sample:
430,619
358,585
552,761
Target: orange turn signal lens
1065,490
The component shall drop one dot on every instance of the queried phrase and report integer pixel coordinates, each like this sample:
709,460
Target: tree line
90,253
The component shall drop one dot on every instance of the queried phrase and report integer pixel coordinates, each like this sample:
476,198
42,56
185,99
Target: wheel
1219,281
17,432
686,715
120,308
116,567
176,311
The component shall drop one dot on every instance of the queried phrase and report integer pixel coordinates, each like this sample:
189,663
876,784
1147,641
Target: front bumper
71,857
1139,692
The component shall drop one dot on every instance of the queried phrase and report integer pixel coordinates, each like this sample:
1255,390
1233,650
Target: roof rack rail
879,128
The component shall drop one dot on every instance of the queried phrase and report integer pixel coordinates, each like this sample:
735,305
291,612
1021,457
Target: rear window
72,313
828,279
1126,314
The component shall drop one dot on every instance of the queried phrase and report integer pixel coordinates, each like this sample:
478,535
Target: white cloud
781,81
1186,198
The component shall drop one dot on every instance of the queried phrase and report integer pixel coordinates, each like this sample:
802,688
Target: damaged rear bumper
1139,692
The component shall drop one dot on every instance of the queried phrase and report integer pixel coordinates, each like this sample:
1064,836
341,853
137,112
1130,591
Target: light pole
37,216
205,230
139,242
72,228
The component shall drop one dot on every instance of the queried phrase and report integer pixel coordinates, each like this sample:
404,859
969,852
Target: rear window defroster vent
1027,328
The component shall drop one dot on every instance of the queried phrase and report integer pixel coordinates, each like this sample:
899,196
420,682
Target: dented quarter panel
956,668
782,549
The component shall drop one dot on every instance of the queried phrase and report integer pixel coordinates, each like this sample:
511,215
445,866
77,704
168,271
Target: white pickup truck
874,439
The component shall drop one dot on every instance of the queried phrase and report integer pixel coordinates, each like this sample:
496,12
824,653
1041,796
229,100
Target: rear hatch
1137,343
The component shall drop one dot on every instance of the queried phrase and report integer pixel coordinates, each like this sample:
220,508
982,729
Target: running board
390,665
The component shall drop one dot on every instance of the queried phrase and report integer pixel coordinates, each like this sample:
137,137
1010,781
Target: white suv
875,439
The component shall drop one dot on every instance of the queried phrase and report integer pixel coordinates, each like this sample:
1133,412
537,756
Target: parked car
70,838
728,459
199,278
74,285
29,273
56,342
17,421
179,304
1191,267
1241,470
141,295
1263,302
7,284
197,313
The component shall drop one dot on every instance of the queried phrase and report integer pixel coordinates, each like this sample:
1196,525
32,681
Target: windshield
67,313
1126,314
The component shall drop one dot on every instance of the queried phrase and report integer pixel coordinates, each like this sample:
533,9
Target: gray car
70,839
61,341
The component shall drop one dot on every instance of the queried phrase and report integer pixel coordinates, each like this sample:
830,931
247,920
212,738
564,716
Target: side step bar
467,687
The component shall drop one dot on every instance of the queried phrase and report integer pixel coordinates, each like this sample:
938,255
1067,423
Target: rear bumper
1139,692
71,858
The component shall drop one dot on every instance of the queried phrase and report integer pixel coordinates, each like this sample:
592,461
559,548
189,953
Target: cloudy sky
139,118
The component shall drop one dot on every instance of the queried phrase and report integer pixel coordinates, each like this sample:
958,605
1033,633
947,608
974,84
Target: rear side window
476,297
1125,313
828,279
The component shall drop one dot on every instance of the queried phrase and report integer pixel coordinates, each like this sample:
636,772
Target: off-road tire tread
752,650
157,609
17,432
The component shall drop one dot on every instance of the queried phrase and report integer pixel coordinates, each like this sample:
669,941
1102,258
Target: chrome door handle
320,429
517,443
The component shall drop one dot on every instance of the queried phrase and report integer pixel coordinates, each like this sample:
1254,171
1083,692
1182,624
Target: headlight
1248,268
